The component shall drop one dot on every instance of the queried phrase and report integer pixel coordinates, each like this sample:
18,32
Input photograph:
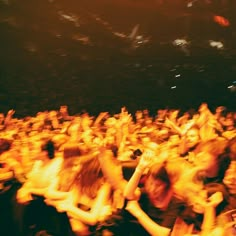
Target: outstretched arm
99,210
131,192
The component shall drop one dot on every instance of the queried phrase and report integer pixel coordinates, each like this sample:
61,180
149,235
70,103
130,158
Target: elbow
127,195
93,220
131,196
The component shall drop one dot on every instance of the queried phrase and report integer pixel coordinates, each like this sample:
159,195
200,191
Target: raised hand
11,112
146,160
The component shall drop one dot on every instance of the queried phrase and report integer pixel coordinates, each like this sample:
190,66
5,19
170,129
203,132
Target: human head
158,185
192,137
212,157
63,110
90,177
49,147
5,145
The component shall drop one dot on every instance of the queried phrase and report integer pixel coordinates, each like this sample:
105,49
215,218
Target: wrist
139,170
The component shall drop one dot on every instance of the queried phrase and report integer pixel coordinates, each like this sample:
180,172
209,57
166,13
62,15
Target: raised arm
131,191
209,218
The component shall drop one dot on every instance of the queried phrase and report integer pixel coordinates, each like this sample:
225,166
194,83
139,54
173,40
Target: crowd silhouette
169,174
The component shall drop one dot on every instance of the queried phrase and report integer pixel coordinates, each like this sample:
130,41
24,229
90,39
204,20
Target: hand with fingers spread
146,160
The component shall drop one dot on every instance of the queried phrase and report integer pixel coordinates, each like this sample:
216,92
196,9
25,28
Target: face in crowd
158,187
192,137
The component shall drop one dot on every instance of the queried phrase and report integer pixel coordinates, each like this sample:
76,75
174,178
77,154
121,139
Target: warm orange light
221,20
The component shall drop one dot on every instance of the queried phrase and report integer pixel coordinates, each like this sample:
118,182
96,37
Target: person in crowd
154,206
209,125
228,124
30,196
73,158
85,196
43,171
230,175
10,161
205,140
189,142
212,159
207,205
10,173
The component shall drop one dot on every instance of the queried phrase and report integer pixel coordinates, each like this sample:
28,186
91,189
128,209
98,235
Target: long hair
68,173
219,149
90,177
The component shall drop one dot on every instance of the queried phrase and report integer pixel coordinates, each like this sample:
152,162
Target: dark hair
158,172
136,153
113,148
49,148
5,145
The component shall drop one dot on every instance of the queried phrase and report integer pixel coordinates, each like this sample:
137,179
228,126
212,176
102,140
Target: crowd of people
169,174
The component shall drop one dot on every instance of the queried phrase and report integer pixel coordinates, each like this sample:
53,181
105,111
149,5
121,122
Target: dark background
45,64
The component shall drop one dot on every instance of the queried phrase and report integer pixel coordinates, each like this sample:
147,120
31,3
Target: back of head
5,145
90,177
49,147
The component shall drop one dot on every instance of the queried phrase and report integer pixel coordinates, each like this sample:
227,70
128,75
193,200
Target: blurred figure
154,206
